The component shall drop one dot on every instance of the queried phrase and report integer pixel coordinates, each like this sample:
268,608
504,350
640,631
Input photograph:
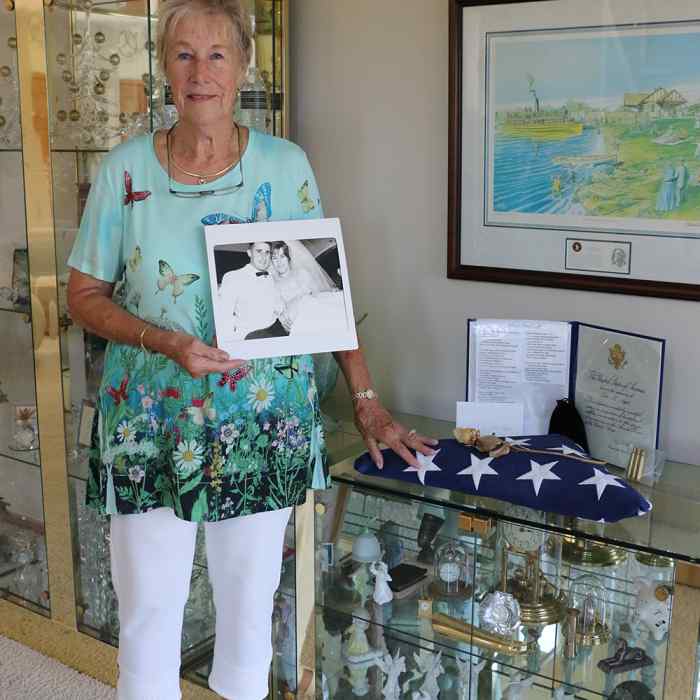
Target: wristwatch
364,394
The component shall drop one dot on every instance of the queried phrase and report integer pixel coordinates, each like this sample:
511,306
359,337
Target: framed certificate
614,378
574,154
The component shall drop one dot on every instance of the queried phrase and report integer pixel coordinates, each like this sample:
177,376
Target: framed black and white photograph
280,288
574,155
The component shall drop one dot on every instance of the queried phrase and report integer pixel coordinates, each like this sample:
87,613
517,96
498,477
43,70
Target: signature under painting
595,128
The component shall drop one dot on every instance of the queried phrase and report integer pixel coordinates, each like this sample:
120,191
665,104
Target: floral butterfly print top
226,445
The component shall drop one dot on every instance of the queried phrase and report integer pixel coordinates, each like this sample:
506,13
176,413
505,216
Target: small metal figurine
631,690
626,658
427,532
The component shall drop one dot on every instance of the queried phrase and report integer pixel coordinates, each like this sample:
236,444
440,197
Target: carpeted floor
27,675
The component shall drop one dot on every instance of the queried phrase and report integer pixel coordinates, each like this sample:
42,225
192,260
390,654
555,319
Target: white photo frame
266,310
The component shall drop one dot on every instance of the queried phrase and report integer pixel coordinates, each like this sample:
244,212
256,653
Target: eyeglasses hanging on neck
191,194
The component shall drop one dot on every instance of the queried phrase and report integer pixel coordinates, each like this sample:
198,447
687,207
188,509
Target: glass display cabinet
488,600
77,77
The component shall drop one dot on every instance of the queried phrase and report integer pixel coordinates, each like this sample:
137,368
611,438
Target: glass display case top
671,529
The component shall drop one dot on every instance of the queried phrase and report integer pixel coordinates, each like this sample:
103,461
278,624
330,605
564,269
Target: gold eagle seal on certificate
618,357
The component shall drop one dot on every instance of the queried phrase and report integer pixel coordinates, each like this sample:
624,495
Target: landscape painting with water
596,129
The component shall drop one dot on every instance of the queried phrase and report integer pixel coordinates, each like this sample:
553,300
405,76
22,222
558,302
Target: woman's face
204,68
280,261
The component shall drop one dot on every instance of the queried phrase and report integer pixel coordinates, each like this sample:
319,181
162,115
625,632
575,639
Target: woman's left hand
377,426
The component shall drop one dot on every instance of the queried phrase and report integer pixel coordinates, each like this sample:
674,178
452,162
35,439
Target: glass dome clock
450,569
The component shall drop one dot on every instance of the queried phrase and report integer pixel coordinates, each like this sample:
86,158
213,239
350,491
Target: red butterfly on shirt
119,394
232,378
130,197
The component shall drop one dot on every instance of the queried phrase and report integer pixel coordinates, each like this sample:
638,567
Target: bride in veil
313,302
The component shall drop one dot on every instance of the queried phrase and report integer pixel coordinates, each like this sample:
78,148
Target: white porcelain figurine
382,593
653,608
430,667
357,647
469,671
516,689
392,667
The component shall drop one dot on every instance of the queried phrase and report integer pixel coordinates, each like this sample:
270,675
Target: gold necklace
201,178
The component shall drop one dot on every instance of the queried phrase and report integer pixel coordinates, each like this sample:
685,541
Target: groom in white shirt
253,298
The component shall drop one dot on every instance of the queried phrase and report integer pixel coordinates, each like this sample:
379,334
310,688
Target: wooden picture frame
641,243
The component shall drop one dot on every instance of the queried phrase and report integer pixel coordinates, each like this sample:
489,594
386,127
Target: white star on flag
425,464
539,473
518,443
600,480
478,468
566,450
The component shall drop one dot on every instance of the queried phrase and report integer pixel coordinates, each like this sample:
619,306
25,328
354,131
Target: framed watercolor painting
574,155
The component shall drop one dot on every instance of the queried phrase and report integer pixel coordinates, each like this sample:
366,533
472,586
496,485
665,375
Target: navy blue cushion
553,475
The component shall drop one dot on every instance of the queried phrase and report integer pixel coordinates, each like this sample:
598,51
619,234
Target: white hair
170,12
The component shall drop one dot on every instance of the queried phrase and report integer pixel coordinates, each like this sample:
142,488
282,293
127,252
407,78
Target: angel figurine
382,593
392,667
430,667
469,688
357,645
516,689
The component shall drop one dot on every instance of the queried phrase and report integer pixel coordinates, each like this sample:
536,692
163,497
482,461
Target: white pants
152,555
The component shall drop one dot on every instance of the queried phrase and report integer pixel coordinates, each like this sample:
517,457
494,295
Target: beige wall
369,89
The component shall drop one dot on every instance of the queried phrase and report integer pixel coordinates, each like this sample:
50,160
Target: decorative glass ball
67,76
61,115
104,75
12,42
2,121
5,71
77,39
74,115
61,59
451,567
100,38
366,547
114,59
99,89
123,118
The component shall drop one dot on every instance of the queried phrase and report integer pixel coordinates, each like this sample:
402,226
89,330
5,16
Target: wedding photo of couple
272,289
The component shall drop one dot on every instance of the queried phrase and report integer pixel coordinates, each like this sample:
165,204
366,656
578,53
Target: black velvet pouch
567,421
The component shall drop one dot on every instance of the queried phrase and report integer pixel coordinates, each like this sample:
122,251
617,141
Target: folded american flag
545,472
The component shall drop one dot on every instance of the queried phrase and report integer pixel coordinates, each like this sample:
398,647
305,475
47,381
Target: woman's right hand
198,358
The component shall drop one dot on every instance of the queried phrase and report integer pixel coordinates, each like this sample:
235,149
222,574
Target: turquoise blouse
227,444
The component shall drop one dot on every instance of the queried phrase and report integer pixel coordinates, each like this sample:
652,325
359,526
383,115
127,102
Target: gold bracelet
143,332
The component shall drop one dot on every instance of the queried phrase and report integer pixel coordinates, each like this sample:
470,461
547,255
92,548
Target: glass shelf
672,529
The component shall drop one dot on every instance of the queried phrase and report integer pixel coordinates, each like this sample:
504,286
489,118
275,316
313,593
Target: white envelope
503,419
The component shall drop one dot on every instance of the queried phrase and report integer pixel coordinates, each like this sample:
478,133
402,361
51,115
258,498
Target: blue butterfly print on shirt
261,210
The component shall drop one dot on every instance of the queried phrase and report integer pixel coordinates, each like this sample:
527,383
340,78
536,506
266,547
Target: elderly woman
185,433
